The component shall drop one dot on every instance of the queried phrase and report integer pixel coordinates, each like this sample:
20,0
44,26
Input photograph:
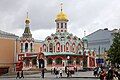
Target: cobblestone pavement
48,76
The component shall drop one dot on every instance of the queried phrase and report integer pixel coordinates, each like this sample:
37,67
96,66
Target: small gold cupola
61,16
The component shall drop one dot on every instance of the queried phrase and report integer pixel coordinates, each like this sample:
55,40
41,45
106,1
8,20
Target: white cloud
88,15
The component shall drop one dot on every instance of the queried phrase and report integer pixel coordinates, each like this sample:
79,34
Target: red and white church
64,49
60,49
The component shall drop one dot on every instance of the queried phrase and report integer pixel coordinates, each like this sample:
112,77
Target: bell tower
27,41
61,21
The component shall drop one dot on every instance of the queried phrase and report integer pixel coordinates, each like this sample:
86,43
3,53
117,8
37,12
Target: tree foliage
114,51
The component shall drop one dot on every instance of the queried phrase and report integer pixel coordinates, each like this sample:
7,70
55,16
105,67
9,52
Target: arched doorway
49,61
58,61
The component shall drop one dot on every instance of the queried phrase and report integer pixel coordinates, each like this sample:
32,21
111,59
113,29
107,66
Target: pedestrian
57,72
68,73
51,71
98,71
42,73
22,75
54,70
18,75
95,72
103,74
110,74
60,72
66,69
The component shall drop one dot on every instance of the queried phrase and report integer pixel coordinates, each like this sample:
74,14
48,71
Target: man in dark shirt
110,74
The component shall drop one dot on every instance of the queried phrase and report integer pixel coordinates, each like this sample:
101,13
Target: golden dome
61,17
27,21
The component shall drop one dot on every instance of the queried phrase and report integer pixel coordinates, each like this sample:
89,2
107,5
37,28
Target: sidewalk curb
53,77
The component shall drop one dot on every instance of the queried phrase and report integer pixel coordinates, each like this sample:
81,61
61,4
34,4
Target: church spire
27,32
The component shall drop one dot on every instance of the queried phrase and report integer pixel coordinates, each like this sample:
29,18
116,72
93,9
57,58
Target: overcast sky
83,15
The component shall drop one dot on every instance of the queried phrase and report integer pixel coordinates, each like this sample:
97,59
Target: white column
45,63
23,47
48,48
29,47
63,61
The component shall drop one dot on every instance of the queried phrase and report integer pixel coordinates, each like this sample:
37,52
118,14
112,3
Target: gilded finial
27,21
27,14
61,6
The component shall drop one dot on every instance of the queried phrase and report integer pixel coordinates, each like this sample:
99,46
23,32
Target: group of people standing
57,72
103,74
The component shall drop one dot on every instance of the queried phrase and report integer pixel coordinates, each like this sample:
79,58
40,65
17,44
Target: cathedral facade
64,49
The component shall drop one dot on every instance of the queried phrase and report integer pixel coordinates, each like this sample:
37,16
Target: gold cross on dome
61,6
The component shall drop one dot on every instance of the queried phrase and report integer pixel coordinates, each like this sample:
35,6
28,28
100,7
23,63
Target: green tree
114,51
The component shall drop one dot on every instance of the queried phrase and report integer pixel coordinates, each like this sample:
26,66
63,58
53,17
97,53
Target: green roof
59,53
27,30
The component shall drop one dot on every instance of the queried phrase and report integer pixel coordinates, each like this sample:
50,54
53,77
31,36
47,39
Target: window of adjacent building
61,30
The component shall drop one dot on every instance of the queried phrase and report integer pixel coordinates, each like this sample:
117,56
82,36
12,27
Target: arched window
44,48
58,47
51,47
58,61
67,46
26,47
61,25
49,61
70,61
73,47
65,25
77,60
31,47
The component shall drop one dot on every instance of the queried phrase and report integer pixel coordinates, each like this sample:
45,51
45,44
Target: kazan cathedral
60,49
64,49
